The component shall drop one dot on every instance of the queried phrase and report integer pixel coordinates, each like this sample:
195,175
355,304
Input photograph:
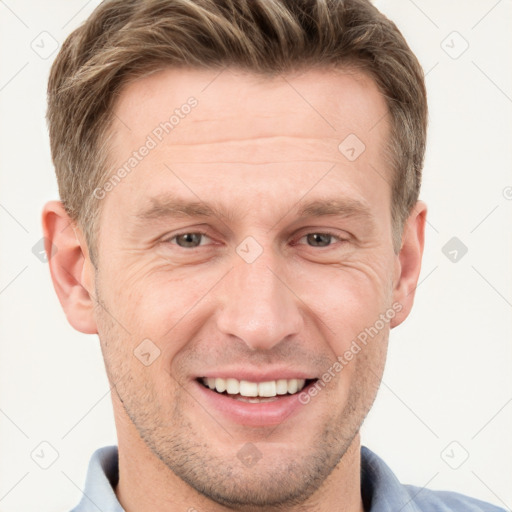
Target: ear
408,263
70,267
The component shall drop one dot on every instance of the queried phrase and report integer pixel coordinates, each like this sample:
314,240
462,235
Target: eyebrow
168,206
338,207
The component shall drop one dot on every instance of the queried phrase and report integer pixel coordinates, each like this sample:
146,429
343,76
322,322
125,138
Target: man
240,225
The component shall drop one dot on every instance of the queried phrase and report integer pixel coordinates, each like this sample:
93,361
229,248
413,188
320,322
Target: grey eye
189,240
319,239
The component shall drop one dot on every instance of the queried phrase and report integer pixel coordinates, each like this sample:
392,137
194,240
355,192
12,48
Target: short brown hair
126,39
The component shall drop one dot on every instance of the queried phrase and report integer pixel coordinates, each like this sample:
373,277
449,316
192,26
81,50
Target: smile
240,389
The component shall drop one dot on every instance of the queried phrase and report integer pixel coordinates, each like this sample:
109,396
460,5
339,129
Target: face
245,249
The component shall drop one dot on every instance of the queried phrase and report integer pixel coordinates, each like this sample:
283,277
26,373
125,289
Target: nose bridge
257,307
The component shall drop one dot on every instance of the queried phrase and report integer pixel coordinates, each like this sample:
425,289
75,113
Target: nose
258,305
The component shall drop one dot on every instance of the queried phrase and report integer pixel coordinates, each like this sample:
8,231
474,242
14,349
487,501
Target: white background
448,374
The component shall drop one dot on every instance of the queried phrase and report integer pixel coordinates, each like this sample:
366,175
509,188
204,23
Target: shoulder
383,492
447,501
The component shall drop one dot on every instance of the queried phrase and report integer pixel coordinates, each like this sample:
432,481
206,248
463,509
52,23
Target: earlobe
409,261
70,267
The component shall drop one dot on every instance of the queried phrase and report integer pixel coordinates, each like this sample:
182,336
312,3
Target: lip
252,414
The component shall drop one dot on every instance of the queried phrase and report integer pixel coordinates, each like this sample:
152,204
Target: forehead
233,105
249,130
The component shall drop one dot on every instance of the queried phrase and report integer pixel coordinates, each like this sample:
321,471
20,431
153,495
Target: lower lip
253,414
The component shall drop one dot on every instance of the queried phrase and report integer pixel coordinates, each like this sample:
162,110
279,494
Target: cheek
347,299
167,306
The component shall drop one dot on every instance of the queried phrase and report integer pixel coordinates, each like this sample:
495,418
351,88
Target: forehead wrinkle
193,147
255,151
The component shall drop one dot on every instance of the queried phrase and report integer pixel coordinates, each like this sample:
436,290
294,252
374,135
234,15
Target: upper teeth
263,389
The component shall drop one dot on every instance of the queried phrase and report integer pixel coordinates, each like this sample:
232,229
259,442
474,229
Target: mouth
255,392
256,398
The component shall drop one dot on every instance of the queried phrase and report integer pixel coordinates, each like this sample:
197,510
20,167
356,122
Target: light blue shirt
380,489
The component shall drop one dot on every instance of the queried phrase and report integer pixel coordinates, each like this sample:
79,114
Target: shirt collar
102,478
380,488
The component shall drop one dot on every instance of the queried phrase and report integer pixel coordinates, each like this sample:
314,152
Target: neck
145,483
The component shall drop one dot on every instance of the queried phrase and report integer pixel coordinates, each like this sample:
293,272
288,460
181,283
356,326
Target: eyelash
203,233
